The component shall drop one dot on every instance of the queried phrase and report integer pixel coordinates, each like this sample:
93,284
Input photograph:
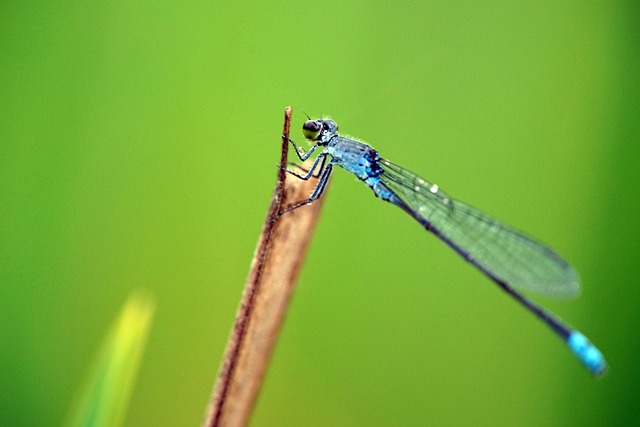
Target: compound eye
311,129
330,125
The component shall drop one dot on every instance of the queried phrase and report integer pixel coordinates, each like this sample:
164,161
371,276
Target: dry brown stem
269,287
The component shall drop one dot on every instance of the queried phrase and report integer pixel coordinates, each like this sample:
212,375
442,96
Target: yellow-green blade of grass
104,398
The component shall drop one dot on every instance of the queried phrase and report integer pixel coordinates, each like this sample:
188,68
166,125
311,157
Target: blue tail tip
588,354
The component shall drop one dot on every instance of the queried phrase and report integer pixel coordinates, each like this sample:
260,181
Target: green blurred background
138,143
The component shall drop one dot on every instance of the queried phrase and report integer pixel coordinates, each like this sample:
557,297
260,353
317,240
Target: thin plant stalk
272,277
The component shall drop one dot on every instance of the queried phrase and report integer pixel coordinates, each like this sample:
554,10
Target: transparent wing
494,247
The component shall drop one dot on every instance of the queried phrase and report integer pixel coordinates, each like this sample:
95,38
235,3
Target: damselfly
508,257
